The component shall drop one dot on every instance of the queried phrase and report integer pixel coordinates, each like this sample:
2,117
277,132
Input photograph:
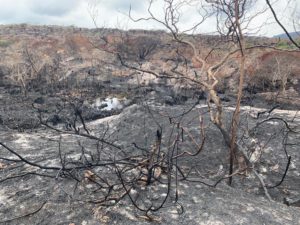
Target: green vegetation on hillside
286,44
5,43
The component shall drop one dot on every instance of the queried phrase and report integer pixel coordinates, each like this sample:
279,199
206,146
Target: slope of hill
68,56
292,34
93,130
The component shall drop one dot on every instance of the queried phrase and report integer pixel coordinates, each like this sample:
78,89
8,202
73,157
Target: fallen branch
26,215
261,180
284,175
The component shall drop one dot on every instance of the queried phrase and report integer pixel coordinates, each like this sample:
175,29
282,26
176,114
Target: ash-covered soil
33,195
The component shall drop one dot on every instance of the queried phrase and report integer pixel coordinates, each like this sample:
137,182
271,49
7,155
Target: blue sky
114,13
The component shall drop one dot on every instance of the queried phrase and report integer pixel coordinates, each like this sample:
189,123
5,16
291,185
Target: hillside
292,34
104,126
70,55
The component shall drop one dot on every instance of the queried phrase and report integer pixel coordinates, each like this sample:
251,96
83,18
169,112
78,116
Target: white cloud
113,13
124,5
52,8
